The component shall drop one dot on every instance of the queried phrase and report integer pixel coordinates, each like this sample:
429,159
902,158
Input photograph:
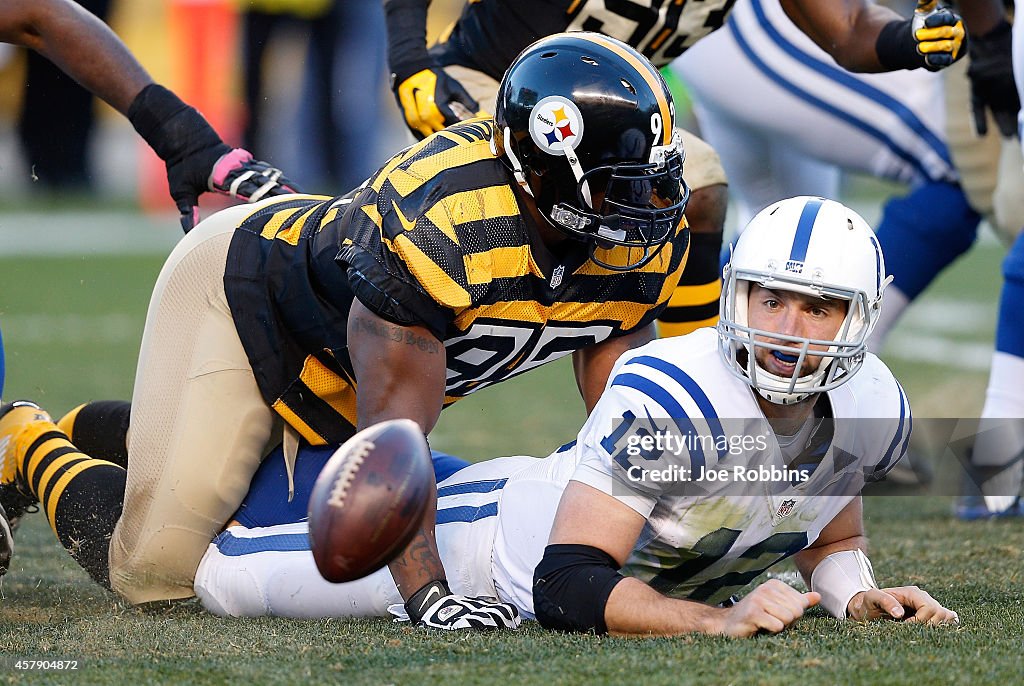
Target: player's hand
432,100
992,85
232,172
456,612
197,159
907,603
939,34
771,607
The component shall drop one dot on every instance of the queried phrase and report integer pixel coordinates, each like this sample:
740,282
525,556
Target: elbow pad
571,586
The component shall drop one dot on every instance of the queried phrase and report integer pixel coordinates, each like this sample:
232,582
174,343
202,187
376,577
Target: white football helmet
813,246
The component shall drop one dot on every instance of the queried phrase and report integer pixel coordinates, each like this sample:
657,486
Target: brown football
369,500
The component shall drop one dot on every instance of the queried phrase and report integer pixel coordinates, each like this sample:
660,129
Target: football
369,500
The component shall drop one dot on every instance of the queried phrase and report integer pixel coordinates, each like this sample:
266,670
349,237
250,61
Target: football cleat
15,496
6,542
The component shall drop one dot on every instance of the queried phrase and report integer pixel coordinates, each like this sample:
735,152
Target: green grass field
72,326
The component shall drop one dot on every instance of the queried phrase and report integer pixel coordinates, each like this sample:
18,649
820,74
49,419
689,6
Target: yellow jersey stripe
669,329
329,387
296,423
433,279
630,313
500,263
472,206
292,233
275,223
419,172
702,294
645,70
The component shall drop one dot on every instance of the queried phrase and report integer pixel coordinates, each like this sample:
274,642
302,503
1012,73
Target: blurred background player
197,159
457,78
815,120
998,450
327,127
554,229
666,554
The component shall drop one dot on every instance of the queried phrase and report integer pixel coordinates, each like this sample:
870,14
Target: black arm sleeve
407,37
571,586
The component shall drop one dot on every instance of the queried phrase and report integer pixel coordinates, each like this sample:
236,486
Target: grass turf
72,327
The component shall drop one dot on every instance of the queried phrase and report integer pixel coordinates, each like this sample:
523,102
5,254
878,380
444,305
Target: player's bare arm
79,43
864,37
400,371
844,537
635,609
593,364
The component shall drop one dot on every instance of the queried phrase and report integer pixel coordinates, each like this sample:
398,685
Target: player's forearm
981,16
808,559
636,609
406,22
847,29
79,43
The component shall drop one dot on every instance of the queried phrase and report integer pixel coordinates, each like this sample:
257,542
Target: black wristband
896,47
172,128
423,599
407,38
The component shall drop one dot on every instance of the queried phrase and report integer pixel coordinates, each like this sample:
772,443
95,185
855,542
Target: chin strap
517,166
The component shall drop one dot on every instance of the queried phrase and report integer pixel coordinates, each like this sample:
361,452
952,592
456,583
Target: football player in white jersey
786,376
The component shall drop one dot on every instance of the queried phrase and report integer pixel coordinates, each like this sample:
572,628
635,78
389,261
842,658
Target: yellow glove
432,100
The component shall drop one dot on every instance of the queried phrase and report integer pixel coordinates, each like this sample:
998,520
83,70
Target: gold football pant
199,426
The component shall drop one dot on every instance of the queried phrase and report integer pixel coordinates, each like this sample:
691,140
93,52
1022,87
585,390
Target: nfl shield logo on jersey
556,276
785,509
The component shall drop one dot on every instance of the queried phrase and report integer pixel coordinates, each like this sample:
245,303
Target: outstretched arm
576,589
594,363
89,52
79,43
864,37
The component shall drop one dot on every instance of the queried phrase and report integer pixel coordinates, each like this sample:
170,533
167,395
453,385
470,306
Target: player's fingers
811,599
881,604
431,119
188,208
766,621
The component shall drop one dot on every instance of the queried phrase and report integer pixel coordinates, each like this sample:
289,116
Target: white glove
454,612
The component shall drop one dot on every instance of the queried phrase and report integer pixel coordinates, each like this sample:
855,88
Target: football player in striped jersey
787,368
457,77
482,252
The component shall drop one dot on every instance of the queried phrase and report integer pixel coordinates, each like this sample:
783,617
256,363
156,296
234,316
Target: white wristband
839,577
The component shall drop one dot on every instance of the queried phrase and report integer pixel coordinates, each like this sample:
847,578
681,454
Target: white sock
894,305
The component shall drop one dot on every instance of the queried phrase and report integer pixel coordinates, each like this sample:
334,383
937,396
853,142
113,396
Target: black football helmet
587,126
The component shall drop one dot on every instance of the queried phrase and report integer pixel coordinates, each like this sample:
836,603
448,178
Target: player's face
792,314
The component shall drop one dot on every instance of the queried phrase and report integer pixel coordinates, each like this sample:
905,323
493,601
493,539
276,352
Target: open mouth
784,364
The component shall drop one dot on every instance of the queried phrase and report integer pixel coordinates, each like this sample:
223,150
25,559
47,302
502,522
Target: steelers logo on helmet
556,124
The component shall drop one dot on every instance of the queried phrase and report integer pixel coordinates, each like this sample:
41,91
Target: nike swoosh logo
406,224
429,600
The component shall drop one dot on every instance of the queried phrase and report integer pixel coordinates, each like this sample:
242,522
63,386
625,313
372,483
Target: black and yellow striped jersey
489,34
435,238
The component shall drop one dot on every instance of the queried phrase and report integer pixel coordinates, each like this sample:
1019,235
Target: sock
694,303
100,429
894,304
82,497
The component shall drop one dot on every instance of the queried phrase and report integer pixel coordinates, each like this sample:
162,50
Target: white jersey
494,517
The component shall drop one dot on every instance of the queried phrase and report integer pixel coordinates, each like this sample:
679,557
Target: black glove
992,84
197,159
933,40
432,100
435,607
